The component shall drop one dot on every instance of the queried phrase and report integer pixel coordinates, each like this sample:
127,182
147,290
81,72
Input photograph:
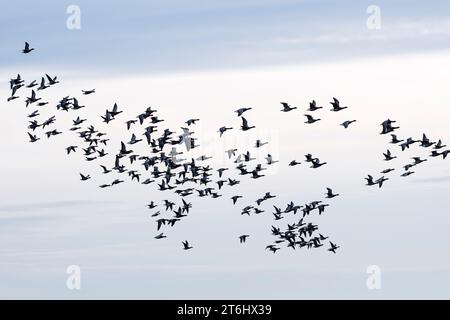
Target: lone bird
84,177
333,247
27,48
243,238
330,194
86,92
186,245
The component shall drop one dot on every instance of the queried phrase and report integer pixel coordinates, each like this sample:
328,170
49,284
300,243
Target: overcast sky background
205,60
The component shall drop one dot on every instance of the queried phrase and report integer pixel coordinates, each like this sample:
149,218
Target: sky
205,59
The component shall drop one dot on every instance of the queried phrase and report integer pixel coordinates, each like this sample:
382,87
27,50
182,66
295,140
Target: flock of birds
162,164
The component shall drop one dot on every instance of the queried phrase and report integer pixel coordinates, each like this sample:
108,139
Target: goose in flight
272,248
310,119
313,106
259,143
33,138
380,181
387,170
388,156
405,145
33,125
76,105
333,247
186,245
231,153
336,105
270,160
27,48
235,198
32,99
42,86
417,160
241,111
220,171
52,133
105,170
161,236
223,129
114,112
245,126
395,140
287,107
191,121
70,149
84,177
347,123
294,163
78,121
34,114
48,122
425,142
243,238
316,163
408,173
51,81
123,149
330,194
388,127
87,92
129,123
370,181
133,139
152,205
439,145
435,153
321,208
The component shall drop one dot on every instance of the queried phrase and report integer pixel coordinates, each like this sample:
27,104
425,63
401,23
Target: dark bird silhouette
287,107
245,126
87,92
347,123
243,238
191,121
330,194
313,106
71,149
223,129
84,177
439,145
316,163
33,138
241,111
27,48
186,245
388,156
310,119
235,198
161,236
395,140
336,105
333,247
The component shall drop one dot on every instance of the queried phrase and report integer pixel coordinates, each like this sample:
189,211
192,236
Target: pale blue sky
150,36
204,59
